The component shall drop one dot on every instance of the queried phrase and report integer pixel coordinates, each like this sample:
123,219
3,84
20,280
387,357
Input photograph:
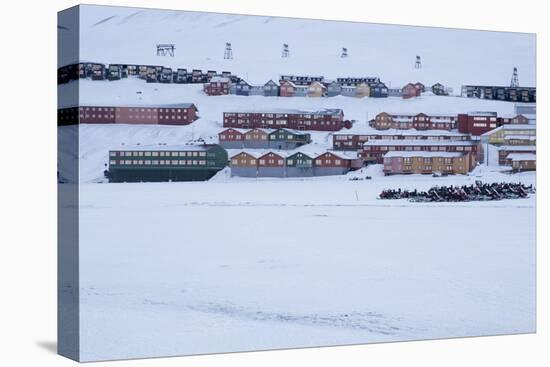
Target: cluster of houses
172,114
262,138
512,94
270,163
474,123
449,144
317,86
150,73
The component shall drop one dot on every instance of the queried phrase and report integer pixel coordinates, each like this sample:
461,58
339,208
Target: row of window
131,117
427,168
158,154
274,115
133,109
419,148
255,137
284,122
156,162
280,162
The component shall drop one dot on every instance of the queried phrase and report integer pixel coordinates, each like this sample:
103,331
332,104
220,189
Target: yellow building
512,134
362,90
407,162
316,89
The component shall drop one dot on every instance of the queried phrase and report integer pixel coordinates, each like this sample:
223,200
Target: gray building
287,139
271,89
301,91
256,90
349,90
334,89
394,92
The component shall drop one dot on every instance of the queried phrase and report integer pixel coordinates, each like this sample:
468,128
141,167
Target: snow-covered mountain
450,56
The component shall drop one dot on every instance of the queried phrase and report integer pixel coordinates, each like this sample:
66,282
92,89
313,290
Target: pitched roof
522,156
164,147
418,142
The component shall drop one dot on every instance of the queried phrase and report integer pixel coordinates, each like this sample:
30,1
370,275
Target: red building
478,123
322,120
217,86
230,138
287,88
333,163
411,90
176,114
420,87
419,121
354,141
374,150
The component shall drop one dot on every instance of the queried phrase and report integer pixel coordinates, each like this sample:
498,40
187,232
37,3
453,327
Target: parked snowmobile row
475,192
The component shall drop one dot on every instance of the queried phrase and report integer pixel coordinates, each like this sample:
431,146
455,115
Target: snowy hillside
96,140
452,57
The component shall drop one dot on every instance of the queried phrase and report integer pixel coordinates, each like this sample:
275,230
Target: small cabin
287,88
271,89
379,90
410,91
362,90
439,89
334,89
242,88
316,89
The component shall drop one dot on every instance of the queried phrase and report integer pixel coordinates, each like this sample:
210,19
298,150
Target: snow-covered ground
238,264
187,268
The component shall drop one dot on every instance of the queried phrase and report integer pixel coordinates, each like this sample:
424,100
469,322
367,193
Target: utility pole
418,63
514,83
228,53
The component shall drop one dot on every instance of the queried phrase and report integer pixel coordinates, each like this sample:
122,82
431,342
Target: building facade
158,164
516,134
217,86
400,162
177,114
322,120
505,150
293,164
374,150
419,121
355,141
522,161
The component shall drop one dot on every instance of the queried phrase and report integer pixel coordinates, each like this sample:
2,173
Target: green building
287,139
299,165
164,163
